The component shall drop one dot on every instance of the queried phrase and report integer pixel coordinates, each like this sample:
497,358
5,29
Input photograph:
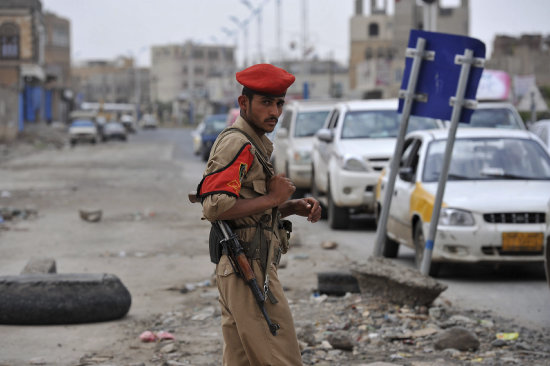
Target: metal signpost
445,85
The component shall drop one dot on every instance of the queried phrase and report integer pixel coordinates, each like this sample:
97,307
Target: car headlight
455,217
302,157
354,164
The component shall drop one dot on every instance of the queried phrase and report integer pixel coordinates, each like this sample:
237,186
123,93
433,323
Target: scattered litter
37,361
329,245
508,336
206,313
162,335
11,213
193,286
91,215
149,336
300,256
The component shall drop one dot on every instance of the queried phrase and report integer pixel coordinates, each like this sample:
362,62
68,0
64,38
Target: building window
368,53
9,41
373,30
212,54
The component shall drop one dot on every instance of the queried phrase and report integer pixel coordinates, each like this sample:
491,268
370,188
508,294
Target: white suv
294,139
350,151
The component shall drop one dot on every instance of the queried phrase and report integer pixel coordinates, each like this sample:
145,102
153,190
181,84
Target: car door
399,221
281,141
324,150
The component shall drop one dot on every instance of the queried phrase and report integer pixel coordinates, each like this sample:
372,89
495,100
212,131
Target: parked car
197,138
542,130
350,151
294,140
128,122
213,125
114,131
495,204
83,130
496,115
148,121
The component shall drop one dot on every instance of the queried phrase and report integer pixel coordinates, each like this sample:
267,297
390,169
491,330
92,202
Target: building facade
526,55
197,79
57,65
112,81
22,36
379,40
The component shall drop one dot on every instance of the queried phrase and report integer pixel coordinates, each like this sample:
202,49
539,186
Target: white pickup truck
350,151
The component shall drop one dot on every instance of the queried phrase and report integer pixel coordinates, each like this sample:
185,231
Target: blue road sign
438,78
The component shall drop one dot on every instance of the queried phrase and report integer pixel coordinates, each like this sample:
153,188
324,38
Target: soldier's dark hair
249,93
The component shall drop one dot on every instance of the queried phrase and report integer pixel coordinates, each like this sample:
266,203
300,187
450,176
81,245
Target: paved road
516,292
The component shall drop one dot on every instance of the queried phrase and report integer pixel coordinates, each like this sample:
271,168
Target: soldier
239,187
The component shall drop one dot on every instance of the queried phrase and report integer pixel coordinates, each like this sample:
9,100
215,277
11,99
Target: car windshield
82,123
215,124
495,118
489,158
380,124
307,123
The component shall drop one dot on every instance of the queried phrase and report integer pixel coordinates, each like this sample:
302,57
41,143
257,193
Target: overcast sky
104,29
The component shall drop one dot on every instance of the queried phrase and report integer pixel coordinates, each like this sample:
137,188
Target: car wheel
338,217
391,247
419,243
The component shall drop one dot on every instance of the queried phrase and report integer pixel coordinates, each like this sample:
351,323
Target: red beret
266,79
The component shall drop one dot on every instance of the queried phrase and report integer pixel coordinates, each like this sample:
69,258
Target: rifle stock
236,254
238,257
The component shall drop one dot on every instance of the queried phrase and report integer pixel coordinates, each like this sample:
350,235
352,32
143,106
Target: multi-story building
57,64
324,79
180,75
528,54
379,40
22,37
117,81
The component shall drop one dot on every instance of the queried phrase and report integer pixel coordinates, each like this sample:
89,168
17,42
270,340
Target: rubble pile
353,330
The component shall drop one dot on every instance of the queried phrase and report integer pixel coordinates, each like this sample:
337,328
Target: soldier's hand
280,188
309,207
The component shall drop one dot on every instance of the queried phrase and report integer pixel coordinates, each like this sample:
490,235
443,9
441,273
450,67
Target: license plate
522,242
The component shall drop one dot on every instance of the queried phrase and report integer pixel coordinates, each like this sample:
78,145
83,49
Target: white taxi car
350,151
496,203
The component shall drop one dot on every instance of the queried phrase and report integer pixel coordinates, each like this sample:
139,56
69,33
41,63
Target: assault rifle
235,252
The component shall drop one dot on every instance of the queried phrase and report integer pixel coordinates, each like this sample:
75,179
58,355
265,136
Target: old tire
419,243
338,217
336,283
41,299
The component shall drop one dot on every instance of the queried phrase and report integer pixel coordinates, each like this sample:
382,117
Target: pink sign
494,85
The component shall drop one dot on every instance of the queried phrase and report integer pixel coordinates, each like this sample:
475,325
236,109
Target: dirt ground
151,237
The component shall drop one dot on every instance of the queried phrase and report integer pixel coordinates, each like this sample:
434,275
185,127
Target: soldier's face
262,112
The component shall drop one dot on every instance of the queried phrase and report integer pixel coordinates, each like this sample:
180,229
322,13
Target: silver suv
294,140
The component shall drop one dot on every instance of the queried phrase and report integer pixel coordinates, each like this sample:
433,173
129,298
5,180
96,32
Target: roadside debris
381,277
13,214
90,215
329,245
149,336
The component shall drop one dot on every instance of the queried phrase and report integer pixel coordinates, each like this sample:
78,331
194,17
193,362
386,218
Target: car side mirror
282,133
406,174
324,134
